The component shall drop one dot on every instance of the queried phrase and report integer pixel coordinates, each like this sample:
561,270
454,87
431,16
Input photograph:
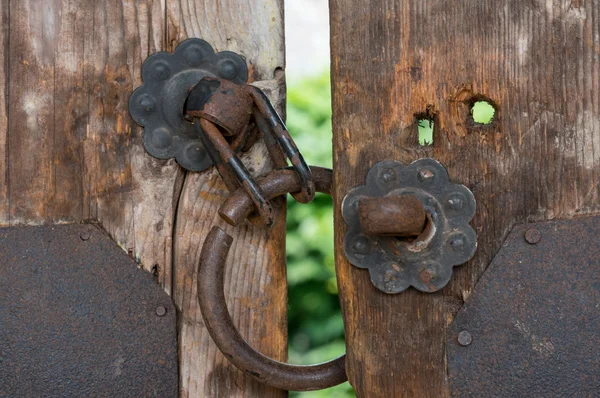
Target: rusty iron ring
211,297
279,182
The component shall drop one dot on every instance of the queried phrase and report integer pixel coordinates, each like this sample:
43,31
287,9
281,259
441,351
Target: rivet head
193,56
161,71
457,243
361,245
425,175
456,202
195,153
147,103
84,236
426,276
228,69
465,338
161,138
387,175
532,236
161,310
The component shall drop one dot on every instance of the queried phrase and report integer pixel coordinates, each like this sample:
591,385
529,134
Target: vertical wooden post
255,279
4,28
395,61
69,151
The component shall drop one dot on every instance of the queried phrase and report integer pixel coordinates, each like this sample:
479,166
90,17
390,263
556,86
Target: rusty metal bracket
409,225
222,110
158,104
214,308
194,106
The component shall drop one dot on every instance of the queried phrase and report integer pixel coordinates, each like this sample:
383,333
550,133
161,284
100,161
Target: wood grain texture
135,195
394,61
255,277
73,151
4,44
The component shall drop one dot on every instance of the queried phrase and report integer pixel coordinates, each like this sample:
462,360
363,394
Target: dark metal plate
158,104
531,327
79,319
426,264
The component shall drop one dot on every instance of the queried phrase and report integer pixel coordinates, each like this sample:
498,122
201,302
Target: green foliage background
316,329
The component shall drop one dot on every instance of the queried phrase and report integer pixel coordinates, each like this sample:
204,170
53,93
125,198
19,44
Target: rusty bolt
392,216
84,236
533,236
161,310
465,338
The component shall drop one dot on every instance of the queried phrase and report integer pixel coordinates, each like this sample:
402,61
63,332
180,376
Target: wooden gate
69,152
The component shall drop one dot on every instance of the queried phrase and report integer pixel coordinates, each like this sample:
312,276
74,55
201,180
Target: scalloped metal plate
158,103
394,265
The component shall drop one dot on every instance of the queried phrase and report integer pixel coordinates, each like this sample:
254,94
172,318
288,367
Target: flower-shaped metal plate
426,262
158,104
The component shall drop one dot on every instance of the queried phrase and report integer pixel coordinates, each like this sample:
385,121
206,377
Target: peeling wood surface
3,110
255,276
73,153
538,62
69,152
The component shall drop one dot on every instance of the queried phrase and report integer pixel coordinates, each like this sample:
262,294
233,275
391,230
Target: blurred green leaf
483,112
316,329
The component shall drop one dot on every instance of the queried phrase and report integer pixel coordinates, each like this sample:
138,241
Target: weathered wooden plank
394,60
132,194
82,155
75,154
4,44
255,277
34,32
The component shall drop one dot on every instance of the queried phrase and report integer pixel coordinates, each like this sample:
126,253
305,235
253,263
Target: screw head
161,310
84,236
532,236
465,338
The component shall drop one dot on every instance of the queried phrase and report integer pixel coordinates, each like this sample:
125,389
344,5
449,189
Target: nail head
161,310
533,236
465,338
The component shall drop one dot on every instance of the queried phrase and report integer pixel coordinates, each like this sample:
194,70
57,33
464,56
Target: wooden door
70,152
396,61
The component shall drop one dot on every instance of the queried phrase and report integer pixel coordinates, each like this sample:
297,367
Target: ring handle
211,297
